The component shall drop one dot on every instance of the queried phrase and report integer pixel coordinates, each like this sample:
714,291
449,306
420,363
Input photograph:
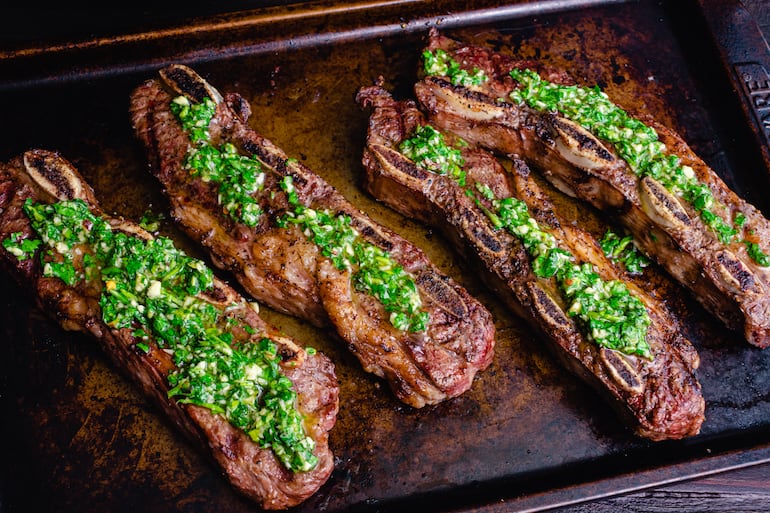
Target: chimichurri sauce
637,144
239,177
153,289
373,270
610,315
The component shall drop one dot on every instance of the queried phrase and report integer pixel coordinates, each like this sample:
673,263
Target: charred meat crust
660,398
283,269
254,471
722,277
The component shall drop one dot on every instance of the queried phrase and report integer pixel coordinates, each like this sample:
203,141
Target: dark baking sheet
745,56
527,436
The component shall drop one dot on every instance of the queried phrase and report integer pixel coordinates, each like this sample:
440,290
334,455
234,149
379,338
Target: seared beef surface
660,397
723,277
282,268
254,471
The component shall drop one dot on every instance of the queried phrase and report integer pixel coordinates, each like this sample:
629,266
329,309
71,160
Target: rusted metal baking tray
79,438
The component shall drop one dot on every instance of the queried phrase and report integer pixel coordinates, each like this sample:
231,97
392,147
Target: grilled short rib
282,267
715,264
45,177
660,397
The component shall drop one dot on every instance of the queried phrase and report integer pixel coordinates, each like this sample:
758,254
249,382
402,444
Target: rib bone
662,206
622,371
185,81
735,274
56,176
578,146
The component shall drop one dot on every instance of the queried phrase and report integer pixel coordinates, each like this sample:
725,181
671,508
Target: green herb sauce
635,142
755,253
440,63
20,247
238,177
150,221
373,270
427,149
152,287
611,315
623,250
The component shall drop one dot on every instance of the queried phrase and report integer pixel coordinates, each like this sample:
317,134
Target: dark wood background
738,491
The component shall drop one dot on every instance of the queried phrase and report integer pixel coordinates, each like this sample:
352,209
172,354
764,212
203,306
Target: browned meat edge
283,269
722,277
661,398
253,471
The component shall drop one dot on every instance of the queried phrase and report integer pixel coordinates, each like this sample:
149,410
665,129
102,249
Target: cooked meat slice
219,327
637,171
297,245
657,393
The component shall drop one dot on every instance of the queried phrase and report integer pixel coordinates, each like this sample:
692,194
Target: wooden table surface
739,491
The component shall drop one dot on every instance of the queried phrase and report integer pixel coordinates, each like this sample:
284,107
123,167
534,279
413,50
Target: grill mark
443,294
372,235
402,164
488,240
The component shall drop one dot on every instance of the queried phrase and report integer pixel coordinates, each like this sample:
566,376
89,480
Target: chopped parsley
624,250
195,117
756,253
152,288
150,221
20,247
635,142
440,63
429,150
373,270
238,177
610,315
